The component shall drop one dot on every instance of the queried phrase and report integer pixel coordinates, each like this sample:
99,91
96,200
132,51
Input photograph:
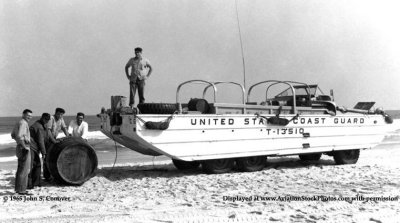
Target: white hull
211,136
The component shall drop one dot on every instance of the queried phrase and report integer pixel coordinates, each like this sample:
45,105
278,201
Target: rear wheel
310,157
185,165
251,164
346,156
218,166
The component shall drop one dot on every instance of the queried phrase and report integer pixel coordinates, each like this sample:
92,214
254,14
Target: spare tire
157,108
198,104
72,161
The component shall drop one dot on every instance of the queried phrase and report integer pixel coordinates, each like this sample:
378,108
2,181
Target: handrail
213,84
226,82
193,81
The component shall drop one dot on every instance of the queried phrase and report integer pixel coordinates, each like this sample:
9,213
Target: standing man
22,136
78,127
140,71
39,137
56,123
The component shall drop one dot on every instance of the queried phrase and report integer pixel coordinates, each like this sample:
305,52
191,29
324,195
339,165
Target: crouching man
39,136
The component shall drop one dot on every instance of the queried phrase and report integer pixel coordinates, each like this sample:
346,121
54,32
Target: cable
241,46
116,150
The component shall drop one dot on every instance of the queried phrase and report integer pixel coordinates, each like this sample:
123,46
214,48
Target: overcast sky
71,54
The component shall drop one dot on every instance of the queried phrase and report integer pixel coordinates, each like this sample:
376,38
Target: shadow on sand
169,170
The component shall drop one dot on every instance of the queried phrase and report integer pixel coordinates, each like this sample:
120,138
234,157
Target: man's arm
85,130
40,139
127,70
150,69
64,128
23,127
51,137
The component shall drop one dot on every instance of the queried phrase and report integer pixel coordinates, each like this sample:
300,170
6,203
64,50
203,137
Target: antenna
241,46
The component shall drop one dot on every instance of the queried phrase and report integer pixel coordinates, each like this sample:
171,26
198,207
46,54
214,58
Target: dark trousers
24,166
46,172
36,170
139,85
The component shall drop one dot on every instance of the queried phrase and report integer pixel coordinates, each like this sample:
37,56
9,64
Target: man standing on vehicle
140,71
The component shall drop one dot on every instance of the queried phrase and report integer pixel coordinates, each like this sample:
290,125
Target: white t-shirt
78,130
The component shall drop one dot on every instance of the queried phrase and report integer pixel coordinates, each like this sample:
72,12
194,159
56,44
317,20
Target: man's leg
132,93
46,172
34,179
24,165
141,85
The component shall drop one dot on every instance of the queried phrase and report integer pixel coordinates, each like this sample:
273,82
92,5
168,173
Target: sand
157,192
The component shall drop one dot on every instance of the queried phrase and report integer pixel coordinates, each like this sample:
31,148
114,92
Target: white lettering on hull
261,121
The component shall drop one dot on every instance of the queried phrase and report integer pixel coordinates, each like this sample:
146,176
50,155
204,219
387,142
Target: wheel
310,157
251,164
218,166
346,156
157,108
185,165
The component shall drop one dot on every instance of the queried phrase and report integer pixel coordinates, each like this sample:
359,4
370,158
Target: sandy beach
197,80
157,192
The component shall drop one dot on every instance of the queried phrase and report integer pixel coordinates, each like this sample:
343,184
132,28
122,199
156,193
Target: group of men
36,139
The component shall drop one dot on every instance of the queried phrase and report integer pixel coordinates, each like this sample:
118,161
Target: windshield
299,90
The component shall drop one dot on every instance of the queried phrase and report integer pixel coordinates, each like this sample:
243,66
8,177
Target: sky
72,54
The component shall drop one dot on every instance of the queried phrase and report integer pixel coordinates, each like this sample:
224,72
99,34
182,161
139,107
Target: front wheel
251,164
346,156
218,166
185,165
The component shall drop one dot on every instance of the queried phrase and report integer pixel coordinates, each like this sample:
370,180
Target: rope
116,150
276,120
163,125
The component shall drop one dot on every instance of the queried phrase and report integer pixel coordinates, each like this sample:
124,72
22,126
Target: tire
185,165
346,156
157,108
218,166
251,164
310,157
72,161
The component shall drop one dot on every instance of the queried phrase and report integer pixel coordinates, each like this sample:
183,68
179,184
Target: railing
209,84
227,82
275,82
214,86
